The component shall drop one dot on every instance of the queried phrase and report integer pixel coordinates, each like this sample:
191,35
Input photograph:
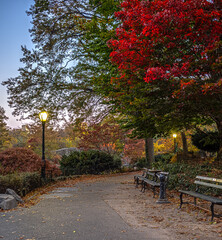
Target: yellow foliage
174,158
163,145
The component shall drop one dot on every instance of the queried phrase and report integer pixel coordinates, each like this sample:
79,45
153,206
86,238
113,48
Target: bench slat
203,196
209,179
152,183
141,178
151,174
208,184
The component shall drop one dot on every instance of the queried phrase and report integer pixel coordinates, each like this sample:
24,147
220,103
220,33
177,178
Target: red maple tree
106,137
173,45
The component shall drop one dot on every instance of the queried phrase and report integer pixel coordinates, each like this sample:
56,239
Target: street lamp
175,143
43,117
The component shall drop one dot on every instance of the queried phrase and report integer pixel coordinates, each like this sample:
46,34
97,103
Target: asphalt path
78,213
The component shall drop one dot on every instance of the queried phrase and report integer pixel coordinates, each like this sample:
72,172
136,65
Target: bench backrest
209,182
144,172
151,175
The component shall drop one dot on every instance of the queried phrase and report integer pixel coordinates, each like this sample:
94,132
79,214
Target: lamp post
43,117
175,142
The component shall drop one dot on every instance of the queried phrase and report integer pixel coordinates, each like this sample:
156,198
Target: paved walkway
80,212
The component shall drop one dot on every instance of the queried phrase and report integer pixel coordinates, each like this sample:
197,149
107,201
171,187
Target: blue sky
14,26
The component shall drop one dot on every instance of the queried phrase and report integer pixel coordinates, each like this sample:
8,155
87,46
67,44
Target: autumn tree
106,136
68,135
19,136
30,136
134,149
175,48
4,130
54,139
69,69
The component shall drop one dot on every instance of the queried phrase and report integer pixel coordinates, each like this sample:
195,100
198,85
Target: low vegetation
22,183
89,162
182,174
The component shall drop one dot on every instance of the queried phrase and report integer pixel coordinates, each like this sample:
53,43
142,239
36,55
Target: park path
80,212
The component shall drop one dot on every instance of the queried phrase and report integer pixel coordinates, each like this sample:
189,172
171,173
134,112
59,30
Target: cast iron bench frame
152,181
138,178
149,178
202,181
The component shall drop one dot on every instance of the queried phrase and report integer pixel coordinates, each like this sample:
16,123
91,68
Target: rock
14,194
7,201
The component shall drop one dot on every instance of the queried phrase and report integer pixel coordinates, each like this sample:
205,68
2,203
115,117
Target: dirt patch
140,210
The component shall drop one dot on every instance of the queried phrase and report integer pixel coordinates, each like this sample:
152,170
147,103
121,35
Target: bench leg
143,186
137,182
212,211
195,201
181,200
154,192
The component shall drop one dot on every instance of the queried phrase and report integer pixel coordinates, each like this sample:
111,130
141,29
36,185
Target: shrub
206,141
165,157
22,183
182,175
88,162
19,160
141,163
22,160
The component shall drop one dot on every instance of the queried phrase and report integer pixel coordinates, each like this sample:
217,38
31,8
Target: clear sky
14,26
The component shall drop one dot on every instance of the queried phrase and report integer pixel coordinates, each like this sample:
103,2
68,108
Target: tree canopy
174,47
70,52
166,63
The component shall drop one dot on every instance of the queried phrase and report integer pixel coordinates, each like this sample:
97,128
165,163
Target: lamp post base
161,201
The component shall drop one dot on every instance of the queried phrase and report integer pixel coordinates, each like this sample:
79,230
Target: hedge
21,183
89,162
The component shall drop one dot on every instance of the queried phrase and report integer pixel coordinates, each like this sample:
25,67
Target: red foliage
110,138
21,160
134,149
174,41
106,137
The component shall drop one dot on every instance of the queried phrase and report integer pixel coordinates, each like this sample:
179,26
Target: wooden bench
152,181
138,178
201,184
149,178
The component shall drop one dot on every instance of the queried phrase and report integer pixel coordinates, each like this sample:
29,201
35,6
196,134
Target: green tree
70,68
70,53
4,130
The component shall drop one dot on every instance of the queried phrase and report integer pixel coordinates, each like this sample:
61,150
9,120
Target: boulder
7,201
14,194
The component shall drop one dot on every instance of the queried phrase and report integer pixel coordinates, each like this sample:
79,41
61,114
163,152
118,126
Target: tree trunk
149,150
184,141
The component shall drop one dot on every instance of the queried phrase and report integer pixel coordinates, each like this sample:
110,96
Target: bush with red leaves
21,160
